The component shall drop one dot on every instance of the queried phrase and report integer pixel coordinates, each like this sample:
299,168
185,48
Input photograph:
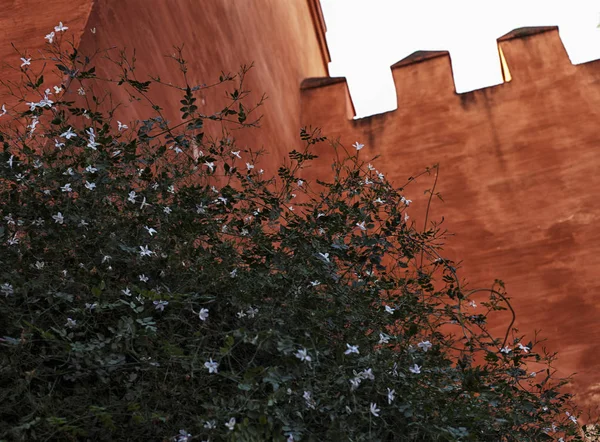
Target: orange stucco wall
284,39
518,173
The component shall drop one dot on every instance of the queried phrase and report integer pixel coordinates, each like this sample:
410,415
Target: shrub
157,285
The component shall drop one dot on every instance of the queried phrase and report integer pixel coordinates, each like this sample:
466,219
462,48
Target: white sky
366,37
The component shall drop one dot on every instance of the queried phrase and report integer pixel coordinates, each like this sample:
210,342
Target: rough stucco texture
519,177
219,35
25,23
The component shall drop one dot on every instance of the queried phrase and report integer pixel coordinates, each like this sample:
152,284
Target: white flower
57,89
68,134
249,166
252,312
391,395
178,149
424,345
126,292
160,305
473,304
92,144
167,210
236,153
203,314
406,217
212,366
115,153
3,110
143,278
71,323
60,27
50,37
58,144
358,146
315,283
300,183
325,256
303,355
231,424
171,189
506,350
90,307
210,165
379,200
380,175
374,410
39,265
523,348
183,436
415,369
26,61
367,374
7,289
383,338
210,425
310,402
351,349
81,91
240,314
58,218
93,30
371,168
355,383
150,230
405,201
389,309
131,197
122,126
145,251
90,186
361,226
83,223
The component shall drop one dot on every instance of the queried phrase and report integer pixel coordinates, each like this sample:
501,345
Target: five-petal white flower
145,251
60,27
391,395
231,424
303,355
68,134
212,366
424,345
358,146
351,349
415,369
374,410
58,218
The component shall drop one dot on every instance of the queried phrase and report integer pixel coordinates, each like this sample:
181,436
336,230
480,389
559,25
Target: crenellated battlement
531,58
518,173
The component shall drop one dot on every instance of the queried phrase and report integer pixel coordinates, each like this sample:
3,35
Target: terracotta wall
284,39
519,175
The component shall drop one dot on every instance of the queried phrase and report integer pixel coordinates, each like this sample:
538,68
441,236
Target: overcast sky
365,37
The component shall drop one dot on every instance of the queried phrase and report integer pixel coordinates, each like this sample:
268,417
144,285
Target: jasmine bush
158,285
